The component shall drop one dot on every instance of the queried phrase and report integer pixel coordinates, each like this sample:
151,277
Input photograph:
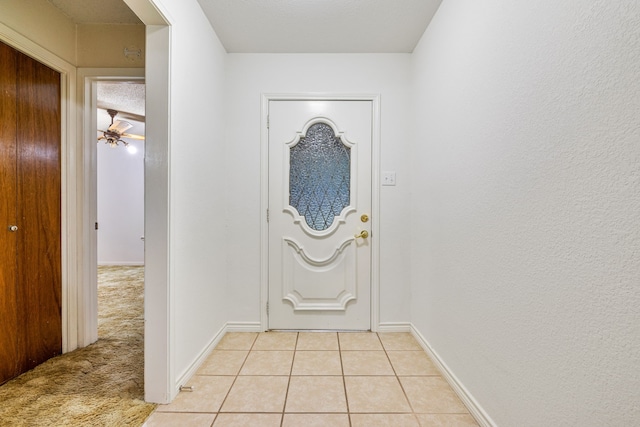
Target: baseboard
394,327
244,327
191,370
228,327
469,401
116,263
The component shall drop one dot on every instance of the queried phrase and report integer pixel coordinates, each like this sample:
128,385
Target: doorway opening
120,208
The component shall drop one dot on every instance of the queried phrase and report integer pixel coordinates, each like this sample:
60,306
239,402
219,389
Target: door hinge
96,225
267,121
267,215
267,308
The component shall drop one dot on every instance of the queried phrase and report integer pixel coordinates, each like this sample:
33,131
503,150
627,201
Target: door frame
88,78
375,194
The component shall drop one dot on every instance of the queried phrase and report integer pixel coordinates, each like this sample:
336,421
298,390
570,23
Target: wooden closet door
12,359
39,208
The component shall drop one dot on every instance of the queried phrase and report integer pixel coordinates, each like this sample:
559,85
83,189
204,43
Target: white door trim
87,156
375,194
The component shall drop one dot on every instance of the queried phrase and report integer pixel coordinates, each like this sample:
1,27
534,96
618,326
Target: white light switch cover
388,178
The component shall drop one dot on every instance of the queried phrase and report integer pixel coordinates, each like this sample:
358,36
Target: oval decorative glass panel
320,176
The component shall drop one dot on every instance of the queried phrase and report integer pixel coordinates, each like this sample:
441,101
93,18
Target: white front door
320,214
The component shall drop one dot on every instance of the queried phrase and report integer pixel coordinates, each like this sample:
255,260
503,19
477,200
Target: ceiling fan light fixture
116,130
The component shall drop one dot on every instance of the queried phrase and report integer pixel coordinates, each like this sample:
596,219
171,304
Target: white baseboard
125,263
191,370
244,327
469,401
394,327
228,327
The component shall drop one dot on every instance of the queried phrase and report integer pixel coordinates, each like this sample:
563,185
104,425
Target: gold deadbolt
364,218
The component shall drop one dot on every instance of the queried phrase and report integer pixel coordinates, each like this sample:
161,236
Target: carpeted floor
99,385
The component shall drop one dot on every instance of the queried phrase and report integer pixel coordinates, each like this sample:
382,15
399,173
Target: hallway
316,379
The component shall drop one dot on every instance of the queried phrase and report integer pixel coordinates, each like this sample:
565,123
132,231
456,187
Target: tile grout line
286,394
404,392
344,381
234,380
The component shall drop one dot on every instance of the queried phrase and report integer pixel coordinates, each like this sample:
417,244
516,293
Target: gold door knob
364,234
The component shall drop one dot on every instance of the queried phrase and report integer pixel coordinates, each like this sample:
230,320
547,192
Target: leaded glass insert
320,176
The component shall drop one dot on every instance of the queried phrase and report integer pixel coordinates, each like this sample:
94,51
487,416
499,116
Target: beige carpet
99,385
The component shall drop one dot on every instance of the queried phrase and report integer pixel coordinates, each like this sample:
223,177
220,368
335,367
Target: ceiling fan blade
120,126
129,135
131,116
123,114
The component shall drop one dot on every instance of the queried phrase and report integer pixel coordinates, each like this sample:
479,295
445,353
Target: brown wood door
11,356
35,255
39,249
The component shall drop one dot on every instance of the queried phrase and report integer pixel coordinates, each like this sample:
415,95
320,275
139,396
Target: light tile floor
290,379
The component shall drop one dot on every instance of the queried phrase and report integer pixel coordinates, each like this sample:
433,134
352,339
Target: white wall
250,75
526,198
197,214
120,199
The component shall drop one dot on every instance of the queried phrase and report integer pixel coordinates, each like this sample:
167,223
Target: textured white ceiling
96,11
319,26
291,26
126,97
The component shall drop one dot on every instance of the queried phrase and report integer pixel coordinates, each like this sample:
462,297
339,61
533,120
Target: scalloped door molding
335,276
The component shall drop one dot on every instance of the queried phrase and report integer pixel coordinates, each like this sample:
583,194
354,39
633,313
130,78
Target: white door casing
319,271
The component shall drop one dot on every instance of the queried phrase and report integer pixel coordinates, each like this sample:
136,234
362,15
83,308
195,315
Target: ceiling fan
116,131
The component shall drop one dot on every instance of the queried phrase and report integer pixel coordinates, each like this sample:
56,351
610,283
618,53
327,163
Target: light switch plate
388,178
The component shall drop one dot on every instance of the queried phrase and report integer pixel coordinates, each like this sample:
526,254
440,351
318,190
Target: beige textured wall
82,45
42,23
103,45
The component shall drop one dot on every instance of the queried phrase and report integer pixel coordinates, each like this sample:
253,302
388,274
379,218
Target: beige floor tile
384,420
317,363
160,419
359,341
237,341
268,363
316,394
446,420
366,363
257,394
315,420
223,362
207,395
412,363
399,341
432,395
245,420
276,341
375,395
317,341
